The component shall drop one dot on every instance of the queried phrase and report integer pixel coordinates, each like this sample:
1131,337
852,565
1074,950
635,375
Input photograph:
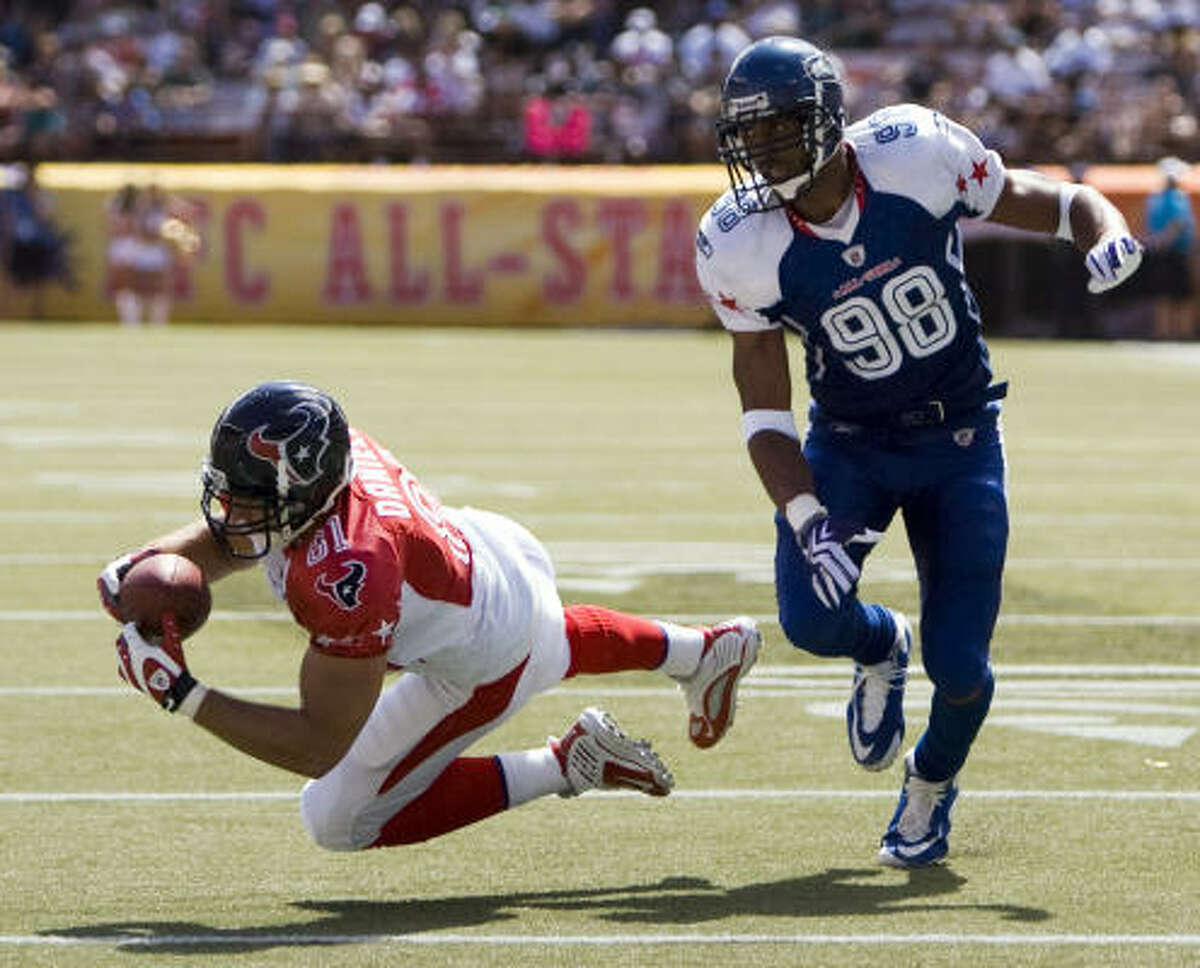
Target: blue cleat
875,713
920,829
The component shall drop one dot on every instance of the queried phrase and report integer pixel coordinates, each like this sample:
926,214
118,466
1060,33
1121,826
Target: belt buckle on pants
930,415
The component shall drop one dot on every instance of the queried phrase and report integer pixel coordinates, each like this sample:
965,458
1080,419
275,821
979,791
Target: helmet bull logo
297,454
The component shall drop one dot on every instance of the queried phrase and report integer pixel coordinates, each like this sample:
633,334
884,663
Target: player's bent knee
969,692
810,630
326,818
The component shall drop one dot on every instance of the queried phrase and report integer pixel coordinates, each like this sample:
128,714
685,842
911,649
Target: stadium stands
587,80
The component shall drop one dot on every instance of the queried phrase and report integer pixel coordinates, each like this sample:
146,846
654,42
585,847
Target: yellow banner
489,246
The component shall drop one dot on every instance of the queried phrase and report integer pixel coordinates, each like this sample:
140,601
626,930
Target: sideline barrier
479,245
484,245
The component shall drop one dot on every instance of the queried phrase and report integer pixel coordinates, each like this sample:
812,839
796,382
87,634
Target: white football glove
108,584
825,542
159,671
1112,260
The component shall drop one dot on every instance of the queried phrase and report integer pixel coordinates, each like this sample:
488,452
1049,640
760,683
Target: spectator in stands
557,125
81,78
1171,245
641,42
34,251
706,50
309,118
1016,71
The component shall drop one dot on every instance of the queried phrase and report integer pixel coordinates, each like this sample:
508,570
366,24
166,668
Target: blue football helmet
278,459
781,120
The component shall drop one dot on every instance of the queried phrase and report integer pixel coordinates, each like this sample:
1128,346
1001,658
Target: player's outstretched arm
337,695
193,541
1074,213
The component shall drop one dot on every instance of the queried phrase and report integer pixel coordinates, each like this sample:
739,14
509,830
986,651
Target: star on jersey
729,302
384,632
979,171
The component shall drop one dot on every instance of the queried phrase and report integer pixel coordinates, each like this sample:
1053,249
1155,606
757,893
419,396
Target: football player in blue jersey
849,237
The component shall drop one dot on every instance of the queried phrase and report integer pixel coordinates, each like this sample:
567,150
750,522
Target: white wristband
780,421
191,702
1066,194
800,508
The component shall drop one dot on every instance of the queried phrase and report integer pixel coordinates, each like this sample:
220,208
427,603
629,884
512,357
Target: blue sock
879,634
952,728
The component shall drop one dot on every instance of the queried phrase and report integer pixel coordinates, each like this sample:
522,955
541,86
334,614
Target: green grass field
131,838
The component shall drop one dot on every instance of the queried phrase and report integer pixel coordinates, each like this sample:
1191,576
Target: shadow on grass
673,901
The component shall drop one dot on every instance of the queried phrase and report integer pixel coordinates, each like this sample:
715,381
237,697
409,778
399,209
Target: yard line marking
1082,621
690,618
107,691
670,558
1185,796
1098,696
76,438
86,614
838,670
254,938
158,483
50,558
575,518
120,797
58,516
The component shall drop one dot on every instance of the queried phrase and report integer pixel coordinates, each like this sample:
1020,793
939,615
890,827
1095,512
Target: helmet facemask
773,156
243,524
781,121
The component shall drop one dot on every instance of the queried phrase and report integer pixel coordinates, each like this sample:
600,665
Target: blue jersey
1166,208
879,292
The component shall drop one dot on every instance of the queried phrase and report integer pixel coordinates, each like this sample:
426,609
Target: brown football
165,583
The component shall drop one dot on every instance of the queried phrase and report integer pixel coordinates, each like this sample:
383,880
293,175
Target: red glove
159,671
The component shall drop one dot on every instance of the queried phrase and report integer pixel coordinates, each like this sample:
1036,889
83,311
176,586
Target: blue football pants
948,483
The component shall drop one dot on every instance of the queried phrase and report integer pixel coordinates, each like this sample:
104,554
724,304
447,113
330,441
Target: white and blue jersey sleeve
912,151
735,255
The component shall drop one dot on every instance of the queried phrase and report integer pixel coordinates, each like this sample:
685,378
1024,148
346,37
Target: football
165,583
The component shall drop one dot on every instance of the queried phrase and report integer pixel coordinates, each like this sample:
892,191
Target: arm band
1066,194
800,508
780,421
191,702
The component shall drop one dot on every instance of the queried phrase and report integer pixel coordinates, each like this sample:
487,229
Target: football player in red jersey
382,576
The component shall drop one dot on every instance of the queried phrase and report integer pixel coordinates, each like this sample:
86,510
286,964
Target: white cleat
920,829
730,649
875,712
595,754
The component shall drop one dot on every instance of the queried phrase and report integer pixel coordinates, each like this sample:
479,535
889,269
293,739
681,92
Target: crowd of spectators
571,80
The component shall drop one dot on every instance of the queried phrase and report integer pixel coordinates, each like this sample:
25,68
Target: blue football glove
825,542
1112,260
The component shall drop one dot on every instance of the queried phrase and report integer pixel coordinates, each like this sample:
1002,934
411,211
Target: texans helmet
781,120
278,459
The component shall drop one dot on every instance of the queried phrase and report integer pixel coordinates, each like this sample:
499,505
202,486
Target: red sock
470,789
602,641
